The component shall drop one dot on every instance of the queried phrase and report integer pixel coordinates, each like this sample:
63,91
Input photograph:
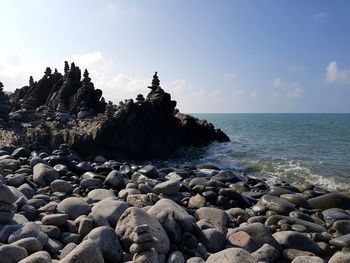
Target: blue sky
212,56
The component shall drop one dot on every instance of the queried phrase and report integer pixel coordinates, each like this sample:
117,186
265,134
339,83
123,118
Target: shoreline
162,214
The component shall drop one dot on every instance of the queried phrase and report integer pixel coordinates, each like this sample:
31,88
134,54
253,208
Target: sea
292,147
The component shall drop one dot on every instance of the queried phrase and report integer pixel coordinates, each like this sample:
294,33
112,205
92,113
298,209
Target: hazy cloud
230,75
320,15
296,90
337,75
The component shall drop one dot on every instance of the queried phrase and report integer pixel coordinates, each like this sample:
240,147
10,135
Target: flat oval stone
341,241
277,204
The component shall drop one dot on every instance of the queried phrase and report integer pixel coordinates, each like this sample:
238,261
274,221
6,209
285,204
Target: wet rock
169,187
227,176
291,239
341,241
216,216
277,204
330,200
150,171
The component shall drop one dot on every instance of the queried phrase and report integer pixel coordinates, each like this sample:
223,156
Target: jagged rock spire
66,67
155,82
31,81
86,79
48,71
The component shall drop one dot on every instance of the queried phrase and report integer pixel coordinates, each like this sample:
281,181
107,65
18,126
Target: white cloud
337,75
296,90
291,89
14,72
320,15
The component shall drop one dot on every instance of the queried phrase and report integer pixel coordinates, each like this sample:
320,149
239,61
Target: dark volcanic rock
143,129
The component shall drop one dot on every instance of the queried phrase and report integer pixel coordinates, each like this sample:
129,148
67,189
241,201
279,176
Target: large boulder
231,255
133,217
44,174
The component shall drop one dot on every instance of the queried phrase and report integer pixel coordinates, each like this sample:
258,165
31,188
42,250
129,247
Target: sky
211,56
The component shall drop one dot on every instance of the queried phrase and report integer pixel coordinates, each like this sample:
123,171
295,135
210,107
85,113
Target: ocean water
294,147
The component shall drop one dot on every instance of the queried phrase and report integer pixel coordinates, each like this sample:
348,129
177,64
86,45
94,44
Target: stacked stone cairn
140,99
7,208
62,112
50,111
143,248
155,82
4,106
83,111
109,110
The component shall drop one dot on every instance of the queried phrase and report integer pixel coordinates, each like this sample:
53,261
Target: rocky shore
57,207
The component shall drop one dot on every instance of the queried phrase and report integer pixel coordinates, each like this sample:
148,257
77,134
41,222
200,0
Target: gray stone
195,260
44,174
227,176
67,249
231,255
340,227
133,217
7,230
61,186
176,257
266,253
55,219
110,209
260,234
242,240
86,252
108,242
100,194
172,217
6,194
38,257
10,164
340,257
308,259
12,253
115,179
341,241
296,199
196,201
150,171
331,200
29,229
277,204
31,244
169,187
73,207
215,216
147,256
215,240
142,200
292,239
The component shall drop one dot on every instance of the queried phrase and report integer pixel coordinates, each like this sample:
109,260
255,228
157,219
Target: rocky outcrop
140,129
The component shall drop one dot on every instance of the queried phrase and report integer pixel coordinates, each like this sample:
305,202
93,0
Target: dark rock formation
4,105
146,128
56,87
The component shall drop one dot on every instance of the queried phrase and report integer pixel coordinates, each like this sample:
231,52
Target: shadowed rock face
67,88
147,128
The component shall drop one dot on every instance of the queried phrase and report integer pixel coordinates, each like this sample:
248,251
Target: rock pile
7,200
57,207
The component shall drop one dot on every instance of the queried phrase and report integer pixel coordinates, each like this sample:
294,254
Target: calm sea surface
295,147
